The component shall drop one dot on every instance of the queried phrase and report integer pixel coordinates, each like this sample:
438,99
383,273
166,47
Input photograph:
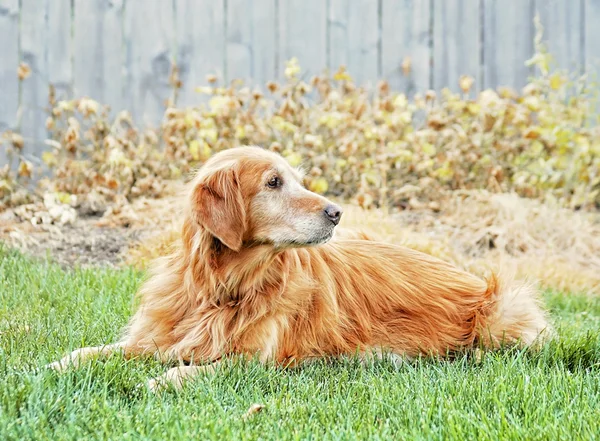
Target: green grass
45,311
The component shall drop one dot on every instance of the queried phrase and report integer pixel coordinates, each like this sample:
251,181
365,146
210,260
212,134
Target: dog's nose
333,213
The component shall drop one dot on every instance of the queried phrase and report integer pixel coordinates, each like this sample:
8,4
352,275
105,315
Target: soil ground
83,243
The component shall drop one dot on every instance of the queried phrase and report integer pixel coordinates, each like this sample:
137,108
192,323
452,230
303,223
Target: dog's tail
513,314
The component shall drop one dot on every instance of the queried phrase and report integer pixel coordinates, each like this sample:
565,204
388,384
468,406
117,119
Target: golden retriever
257,274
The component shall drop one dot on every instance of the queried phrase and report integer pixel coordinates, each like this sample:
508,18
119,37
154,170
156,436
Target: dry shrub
376,147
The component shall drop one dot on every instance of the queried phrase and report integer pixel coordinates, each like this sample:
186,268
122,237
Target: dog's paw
72,360
59,366
159,384
154,385
172,378
176,377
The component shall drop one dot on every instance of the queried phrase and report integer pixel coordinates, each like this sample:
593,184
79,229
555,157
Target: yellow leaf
200,151
405,117
281,124
240,132
5,185
428,149
207,123
188,120
556,81
465,82
536,148
342,75
533,103
319,185
473,108
209,134
341,163
404,155
175,172
218,103
292,68
63,198
445,172
204,90
400,102
25,169
331,120
294,159
66,105
372,178
195,149
49,159
205,151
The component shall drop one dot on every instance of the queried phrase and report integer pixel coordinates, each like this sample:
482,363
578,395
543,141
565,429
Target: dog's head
249,195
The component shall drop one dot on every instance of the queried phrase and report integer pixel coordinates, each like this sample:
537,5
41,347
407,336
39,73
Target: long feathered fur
206,301
244,280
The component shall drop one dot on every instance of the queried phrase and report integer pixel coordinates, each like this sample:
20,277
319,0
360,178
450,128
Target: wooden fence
120,52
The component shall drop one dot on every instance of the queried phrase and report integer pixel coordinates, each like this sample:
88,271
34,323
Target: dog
256,273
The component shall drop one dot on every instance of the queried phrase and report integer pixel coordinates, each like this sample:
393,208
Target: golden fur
254,275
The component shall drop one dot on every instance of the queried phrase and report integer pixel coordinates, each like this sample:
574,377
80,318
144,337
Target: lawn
45,311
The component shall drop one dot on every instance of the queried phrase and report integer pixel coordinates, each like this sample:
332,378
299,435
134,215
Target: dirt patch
82,243
86,240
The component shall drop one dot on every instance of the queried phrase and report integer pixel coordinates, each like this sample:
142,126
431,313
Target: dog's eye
274,182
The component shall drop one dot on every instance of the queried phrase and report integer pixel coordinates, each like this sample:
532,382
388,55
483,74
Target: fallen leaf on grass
255,408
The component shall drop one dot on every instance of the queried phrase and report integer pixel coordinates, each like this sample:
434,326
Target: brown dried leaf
254,409
23,71
466,82
25,169
17,141
406,65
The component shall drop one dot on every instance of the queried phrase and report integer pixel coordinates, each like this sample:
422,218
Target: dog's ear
218,205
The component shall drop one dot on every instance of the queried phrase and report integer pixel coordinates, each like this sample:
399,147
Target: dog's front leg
177,376
75,358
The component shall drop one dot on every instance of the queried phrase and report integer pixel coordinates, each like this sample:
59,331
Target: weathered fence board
150,42
200,39
34,89
592,39
303,34
251,42
9,62
456,43
121,52
508,42
354,38
99,45
563,34
406,45
59,48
